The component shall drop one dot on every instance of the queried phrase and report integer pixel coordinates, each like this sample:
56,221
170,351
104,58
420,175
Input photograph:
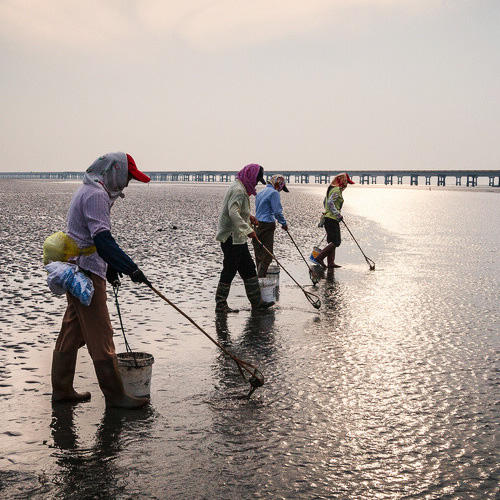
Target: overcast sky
215,84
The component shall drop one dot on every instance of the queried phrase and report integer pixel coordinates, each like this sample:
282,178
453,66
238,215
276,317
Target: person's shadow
94,472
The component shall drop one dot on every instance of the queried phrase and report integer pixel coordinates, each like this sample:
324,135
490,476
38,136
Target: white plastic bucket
270,285
267,289
136,377
273,272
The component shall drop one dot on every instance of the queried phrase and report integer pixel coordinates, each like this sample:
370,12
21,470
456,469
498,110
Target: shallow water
391,390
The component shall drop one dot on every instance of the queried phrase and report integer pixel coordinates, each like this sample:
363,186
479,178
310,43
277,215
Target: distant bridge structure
299,177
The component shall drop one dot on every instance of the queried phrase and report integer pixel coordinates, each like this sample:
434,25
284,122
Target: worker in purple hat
235,227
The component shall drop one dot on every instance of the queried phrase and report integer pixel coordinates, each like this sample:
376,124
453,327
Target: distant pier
467,178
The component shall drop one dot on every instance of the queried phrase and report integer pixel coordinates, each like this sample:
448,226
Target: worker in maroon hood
88,223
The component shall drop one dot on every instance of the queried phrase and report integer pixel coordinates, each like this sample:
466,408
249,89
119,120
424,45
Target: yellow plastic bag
59,247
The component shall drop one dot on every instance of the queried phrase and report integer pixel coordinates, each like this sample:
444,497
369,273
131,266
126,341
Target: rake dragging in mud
313,299
368,260
255,376
313,277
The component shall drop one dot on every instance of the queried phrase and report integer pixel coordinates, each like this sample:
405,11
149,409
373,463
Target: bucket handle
116,287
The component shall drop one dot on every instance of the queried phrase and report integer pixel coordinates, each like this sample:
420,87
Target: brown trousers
265,233
88,325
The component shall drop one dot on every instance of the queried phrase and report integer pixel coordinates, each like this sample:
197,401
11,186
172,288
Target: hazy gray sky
214,84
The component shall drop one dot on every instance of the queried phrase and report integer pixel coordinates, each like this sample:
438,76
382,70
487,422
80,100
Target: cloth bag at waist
60,247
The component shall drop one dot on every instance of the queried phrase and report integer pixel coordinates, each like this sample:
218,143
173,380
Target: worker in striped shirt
89,224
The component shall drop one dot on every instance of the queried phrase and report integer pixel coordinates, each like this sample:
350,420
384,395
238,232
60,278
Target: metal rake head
256,381
313,276
313,299
256,378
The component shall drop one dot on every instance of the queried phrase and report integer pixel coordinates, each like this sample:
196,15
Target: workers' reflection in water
258,333
62,427
255,344
93,472
222,329
332,296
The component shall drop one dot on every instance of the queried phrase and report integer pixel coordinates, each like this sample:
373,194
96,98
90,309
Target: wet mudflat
391,390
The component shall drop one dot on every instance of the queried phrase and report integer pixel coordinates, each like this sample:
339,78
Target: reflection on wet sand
332,295
388,390
258,335
85,471
254,344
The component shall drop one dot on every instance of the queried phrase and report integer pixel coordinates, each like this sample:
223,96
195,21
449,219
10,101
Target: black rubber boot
252,289
329,248
111,386
221,298
62,375
330,258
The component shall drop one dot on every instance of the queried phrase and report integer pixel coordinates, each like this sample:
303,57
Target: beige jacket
234,219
